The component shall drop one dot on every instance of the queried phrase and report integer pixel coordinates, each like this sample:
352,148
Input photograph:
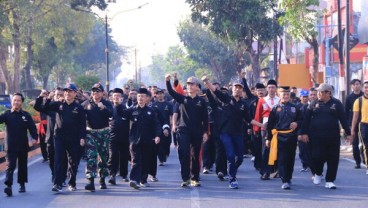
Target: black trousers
221,159
51,156
12,158
304,154
286,158
209,152
119,157
326,150
43,145
189,147
356,150
142,161
164,148
72,150
257,150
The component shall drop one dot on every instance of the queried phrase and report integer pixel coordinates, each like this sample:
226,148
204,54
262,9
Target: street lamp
107,41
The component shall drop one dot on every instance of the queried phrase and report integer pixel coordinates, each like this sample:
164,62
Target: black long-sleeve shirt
119,126
217,113
281,116
17,124
70,120
51,117
322,119
145,125
97,118
349,105
194,114
234,114
165,109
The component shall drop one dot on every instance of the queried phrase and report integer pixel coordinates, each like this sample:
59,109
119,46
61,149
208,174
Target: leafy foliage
85,82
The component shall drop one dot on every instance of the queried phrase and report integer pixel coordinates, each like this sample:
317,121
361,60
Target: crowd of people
211,126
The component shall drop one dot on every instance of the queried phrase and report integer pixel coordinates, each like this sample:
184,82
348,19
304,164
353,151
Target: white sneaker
330,185
317,179
252,159
366,172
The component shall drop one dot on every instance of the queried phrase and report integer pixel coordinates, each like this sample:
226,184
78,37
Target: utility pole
347,47
107,55
341,55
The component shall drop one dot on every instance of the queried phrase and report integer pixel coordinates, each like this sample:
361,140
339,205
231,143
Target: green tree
300,19
247,23
85,82
210,51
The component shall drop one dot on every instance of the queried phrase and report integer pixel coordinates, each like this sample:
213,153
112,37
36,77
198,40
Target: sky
150,29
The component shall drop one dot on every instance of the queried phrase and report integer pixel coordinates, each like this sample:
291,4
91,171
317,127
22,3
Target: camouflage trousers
97,150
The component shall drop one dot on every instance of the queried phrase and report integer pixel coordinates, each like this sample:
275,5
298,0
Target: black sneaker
112,180
72,188
91,185
22,188
357,166
134,185
57,188
265,176
8,191
220,176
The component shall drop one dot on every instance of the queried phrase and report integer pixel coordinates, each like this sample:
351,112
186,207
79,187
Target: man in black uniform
17,122
166,110
42,127
56,95
119,140
70,131
192,129
324,113
231,126
357,92
283,121
98,112
145,130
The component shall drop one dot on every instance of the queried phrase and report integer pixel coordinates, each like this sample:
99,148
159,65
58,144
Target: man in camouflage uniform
98,112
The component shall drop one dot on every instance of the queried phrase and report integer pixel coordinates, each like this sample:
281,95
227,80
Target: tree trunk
27,67
45,80
4,69
16,41
314,45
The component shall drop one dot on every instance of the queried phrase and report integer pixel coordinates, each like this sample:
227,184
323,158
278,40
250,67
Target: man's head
356,85
237,89
312,94
324,92
17,101
153,90
70,92
58,94
142,96
271,87
133,95
192,85
284,92
260,90
97,92
365,88
304,96
126,89
160,95
117,96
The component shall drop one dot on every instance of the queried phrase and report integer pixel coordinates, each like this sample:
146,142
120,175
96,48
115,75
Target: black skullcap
260,86
118,90
142,91
272,82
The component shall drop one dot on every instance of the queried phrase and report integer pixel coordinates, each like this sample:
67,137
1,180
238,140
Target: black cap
142,91
159,90
98,86
117,90
284,89
272,82
260,86
70,86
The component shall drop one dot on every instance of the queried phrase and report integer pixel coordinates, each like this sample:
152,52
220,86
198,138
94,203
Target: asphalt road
352,190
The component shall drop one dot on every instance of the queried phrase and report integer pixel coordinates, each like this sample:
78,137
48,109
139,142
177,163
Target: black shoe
22,188
91,185
357,166
125,179
8,191
112,180
265,176
57,188
102,183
